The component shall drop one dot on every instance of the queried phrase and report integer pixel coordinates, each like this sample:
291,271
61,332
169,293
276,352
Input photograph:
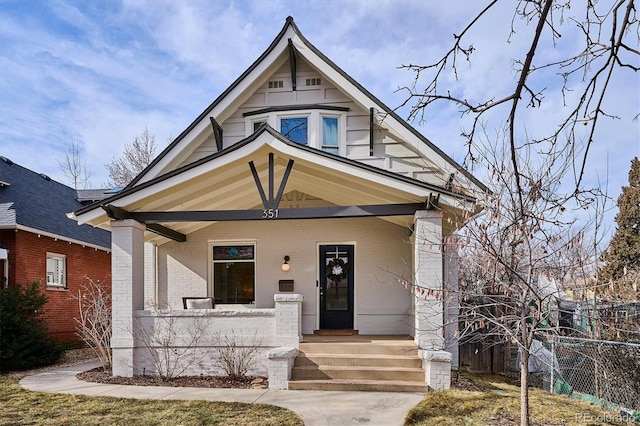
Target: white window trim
314,125
62,257
342,131
210,276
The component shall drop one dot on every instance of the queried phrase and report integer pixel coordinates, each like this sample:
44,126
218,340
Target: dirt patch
460,381
98,375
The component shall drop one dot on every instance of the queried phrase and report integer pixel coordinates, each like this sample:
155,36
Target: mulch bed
98,375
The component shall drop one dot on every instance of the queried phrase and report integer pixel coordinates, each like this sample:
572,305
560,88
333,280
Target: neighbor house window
56,267
295,129
330,135
234,273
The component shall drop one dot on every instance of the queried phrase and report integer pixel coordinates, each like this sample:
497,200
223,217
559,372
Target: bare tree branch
74,167
133,160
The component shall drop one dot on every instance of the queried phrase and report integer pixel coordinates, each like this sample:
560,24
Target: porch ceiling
225,182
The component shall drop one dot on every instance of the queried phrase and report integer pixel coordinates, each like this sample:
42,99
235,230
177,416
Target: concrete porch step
359,385
324,372
362,360
400,348
358,363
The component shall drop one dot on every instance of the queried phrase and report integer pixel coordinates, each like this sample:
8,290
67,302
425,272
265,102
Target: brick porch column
288,319
127,291
428,267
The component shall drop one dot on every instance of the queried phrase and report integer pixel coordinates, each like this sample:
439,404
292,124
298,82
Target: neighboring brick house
39,242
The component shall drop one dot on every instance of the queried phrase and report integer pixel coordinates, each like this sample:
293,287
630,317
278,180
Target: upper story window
317,126
296,129
56,266
330,138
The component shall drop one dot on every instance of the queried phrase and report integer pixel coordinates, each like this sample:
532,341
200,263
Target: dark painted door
336,287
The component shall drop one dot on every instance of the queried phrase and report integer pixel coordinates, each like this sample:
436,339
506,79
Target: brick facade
27,262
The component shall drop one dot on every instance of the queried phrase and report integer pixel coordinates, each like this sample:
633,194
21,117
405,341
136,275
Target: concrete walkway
317,408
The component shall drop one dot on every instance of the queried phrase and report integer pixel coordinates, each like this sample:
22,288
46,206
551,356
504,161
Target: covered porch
364,249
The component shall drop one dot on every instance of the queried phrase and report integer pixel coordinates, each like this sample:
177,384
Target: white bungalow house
299,203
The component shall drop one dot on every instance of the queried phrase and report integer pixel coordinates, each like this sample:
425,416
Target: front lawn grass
498,403
19,406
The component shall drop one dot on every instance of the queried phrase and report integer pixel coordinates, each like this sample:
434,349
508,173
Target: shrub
94,322
24,342
170,347
235,355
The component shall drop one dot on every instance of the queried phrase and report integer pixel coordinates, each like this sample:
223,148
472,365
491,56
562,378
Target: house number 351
270,213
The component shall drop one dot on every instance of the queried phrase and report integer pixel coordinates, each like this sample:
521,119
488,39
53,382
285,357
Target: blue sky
100,72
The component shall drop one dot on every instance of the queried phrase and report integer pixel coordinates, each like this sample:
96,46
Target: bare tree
74,167
528,221
515,257
610,32
133,160
94,322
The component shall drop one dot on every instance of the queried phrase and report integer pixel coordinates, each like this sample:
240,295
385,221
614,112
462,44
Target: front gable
293,79
352,155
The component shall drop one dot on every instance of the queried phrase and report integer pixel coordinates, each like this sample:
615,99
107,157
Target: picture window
234,274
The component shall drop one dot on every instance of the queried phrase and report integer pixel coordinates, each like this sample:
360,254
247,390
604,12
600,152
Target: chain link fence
603,372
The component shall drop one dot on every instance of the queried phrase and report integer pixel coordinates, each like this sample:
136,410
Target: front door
336,287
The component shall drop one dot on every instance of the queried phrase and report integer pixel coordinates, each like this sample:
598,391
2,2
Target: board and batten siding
390,153
382,254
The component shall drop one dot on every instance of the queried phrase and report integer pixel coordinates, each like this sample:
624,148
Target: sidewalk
317,408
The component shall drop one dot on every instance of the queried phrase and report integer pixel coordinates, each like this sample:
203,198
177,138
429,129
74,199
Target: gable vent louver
313,81
276,84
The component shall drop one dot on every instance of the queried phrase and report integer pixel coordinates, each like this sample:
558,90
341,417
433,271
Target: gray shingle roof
93,195
35,201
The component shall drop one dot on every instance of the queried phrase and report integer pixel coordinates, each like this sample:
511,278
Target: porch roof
224,181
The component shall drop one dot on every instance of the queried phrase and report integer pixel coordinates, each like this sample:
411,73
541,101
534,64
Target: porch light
285,265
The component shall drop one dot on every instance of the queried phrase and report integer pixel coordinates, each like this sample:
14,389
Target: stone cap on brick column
284,352
288,297
435,356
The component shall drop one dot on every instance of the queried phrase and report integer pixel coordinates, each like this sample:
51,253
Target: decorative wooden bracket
292,62
271,202
217,133
120,214
371,126
432,202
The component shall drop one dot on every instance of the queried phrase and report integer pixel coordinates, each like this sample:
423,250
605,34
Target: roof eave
266,128
289,22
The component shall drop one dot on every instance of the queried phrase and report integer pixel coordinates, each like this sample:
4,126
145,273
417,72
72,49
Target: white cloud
104,71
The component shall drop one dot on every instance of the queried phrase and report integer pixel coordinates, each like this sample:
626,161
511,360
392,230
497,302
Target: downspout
155,274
